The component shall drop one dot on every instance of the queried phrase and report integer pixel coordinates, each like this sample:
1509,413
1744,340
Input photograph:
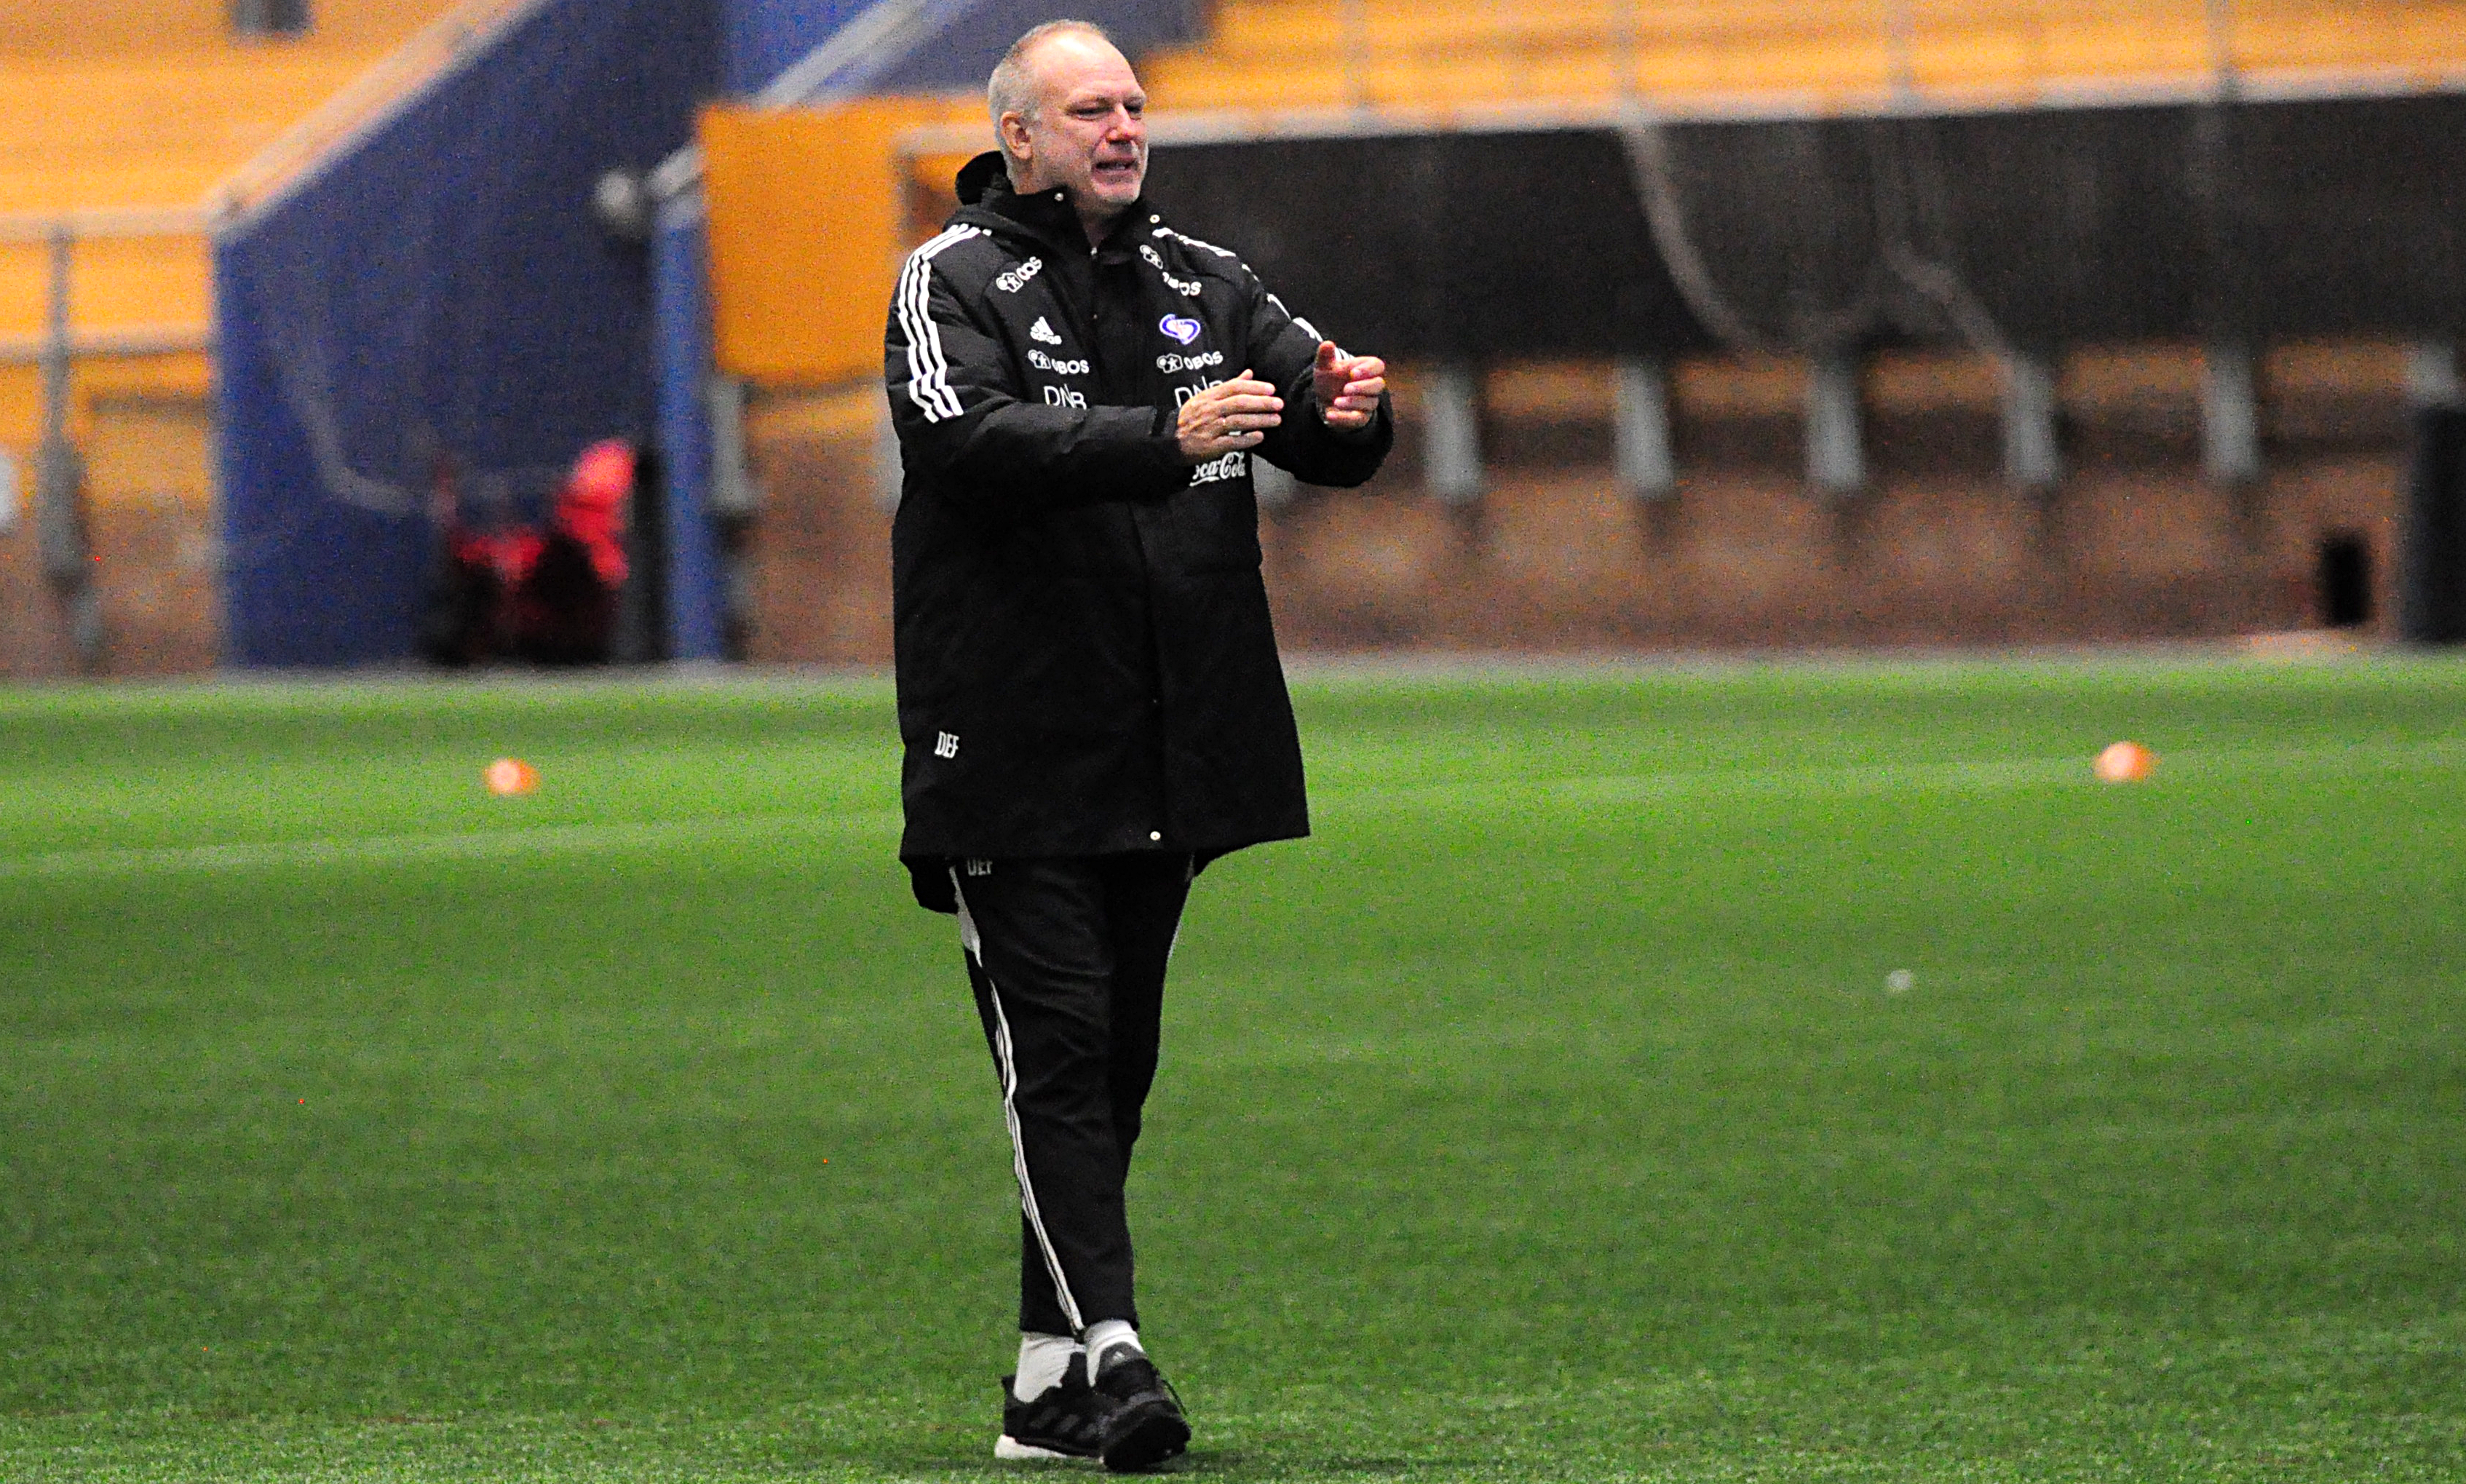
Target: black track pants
1068,957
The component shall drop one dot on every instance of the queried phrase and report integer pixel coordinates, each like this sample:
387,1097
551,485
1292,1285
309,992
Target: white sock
1044,1360
1107,1335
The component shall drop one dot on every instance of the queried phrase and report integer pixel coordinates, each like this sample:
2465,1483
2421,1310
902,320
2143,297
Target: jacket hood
979,176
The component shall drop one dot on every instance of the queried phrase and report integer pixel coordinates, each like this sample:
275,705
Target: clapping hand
1348,387
1227,417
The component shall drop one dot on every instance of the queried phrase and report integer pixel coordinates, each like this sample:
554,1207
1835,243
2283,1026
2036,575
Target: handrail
122,223
58,234
134,340
882,33
890,28
364,104
359,108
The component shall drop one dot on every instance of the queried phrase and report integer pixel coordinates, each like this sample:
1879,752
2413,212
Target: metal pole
55,340
60,535
2222,61
2431,375
682,356
1647,468
2230,413
1902,27
1625,45
2033,457
1836,442
1452,440
1353,15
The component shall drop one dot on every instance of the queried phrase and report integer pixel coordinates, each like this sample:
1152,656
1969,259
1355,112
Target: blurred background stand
2103,314
2432,592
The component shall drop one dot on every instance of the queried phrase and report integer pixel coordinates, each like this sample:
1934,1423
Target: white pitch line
1596,789
1980,776
469,846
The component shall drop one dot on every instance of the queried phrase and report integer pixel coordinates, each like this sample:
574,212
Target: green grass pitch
1551,1114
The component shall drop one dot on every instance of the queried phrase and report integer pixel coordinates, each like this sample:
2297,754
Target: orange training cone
509,777
2125,762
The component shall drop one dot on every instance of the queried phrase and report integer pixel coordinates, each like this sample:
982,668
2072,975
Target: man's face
1087,132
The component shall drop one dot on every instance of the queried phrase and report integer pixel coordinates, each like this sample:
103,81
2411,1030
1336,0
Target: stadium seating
116,106
1271,54
93,30
154,131
139,104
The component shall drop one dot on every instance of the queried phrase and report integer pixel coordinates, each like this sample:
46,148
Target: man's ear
1016,148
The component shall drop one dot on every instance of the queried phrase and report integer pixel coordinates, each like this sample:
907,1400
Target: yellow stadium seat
147,104
1438,54
99,30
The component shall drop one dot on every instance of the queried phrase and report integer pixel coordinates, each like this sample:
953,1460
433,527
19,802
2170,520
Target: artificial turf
1549,1114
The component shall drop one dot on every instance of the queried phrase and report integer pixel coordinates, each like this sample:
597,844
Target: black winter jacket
1086,660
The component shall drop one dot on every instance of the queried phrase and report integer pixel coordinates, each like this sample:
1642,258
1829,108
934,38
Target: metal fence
43,253
121,298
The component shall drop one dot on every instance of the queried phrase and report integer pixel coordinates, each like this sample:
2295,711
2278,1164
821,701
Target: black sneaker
1146,1425
1065,1420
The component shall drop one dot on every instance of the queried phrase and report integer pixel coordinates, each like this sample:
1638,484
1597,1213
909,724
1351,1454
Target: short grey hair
1010,89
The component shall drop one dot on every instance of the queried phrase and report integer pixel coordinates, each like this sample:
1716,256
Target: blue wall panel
681,297
441,294
970,43
766,38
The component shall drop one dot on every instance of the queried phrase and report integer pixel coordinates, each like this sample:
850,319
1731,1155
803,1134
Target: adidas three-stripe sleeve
964,420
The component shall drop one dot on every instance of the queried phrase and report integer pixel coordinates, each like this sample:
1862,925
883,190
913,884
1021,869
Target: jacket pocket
1207,528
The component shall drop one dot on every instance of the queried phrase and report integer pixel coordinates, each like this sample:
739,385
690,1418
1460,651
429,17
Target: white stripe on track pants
1068,959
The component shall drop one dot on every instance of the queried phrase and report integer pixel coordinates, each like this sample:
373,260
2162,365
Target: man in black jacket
1089,689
